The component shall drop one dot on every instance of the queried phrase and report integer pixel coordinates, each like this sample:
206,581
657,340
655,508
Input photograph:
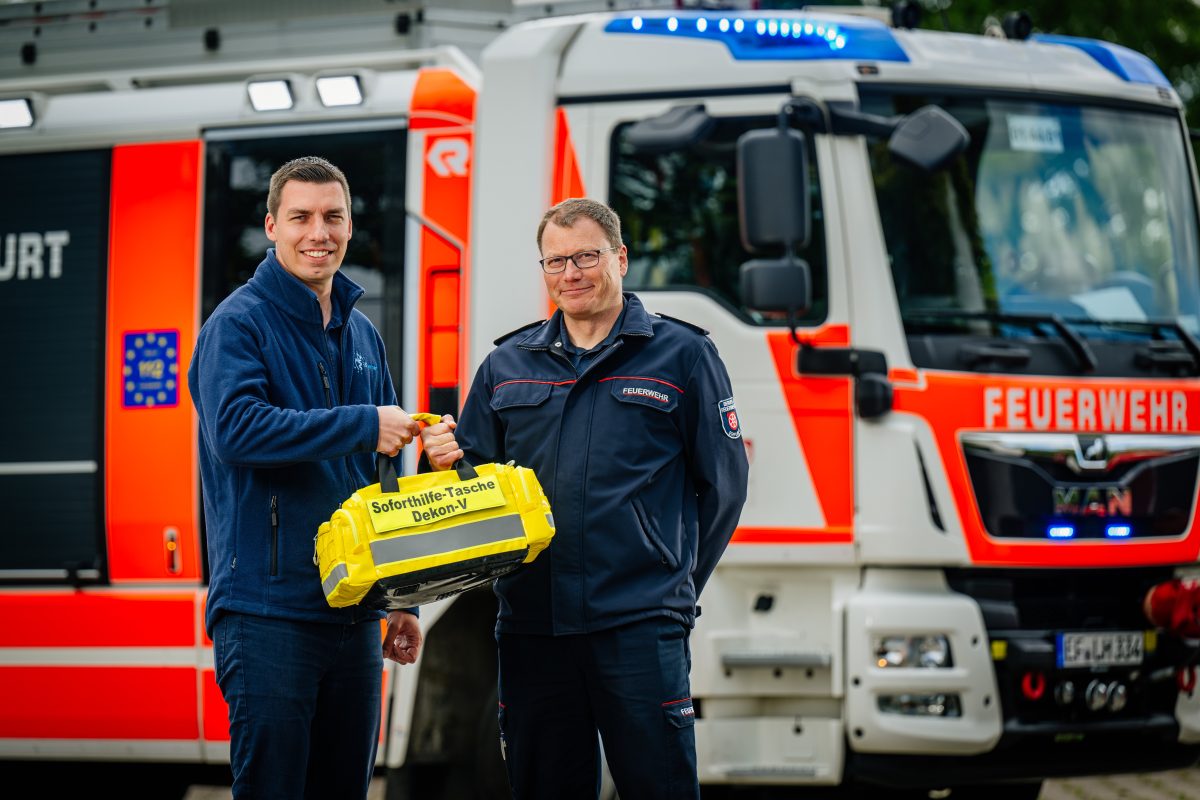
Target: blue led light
1118,531
1127,64
1060,532
765,38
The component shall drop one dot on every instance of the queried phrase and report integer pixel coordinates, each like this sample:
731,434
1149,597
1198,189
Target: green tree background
1168,31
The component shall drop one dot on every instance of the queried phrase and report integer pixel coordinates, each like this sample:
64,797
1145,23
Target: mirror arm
846,120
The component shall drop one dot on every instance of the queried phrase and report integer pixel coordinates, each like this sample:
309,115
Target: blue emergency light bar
1061,532
760,38
1128,64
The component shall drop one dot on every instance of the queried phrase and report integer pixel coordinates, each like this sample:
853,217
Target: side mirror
773,206
928,138
675,129
777,285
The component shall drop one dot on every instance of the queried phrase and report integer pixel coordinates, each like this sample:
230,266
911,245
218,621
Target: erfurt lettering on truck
30,256
1093,501
1084,409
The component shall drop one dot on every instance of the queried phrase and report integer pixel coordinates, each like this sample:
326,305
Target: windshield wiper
1075,343
1181,354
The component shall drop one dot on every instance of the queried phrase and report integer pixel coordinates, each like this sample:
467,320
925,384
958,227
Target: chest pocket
647,392
511,395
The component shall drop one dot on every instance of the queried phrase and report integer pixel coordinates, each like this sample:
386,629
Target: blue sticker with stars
151,369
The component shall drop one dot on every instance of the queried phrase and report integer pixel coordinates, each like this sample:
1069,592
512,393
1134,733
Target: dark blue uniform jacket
640,457
288,430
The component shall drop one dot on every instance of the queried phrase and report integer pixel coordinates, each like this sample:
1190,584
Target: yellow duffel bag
404,542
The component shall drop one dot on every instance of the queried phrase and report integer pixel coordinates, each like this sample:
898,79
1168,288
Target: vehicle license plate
1101,649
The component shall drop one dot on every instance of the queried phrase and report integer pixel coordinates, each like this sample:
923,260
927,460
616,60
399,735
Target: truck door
238,169
53,270
678,206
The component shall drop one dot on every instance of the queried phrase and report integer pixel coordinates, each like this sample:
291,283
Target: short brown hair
571,210
306,169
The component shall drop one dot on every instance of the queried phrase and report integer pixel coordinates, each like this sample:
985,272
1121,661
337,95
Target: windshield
1084,213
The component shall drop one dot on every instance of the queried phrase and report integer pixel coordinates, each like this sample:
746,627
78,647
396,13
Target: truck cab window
680,218
238,173
1054,209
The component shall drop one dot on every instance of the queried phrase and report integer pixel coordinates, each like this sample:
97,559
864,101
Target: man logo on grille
1091,452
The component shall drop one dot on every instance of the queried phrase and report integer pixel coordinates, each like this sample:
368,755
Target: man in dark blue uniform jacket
628,419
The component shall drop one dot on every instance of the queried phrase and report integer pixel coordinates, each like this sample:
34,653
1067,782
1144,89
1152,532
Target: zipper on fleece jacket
326,384
329,403
274,535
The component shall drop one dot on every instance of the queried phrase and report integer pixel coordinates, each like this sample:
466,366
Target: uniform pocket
645,391
680,713
520,393
652,536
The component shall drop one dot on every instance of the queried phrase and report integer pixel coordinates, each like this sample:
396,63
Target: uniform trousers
629,684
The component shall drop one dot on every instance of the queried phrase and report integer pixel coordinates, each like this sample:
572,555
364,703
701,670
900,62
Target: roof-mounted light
1121,61
339,90
274,94
776,37
16,112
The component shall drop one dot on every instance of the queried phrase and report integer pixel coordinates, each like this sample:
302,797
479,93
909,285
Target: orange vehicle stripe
821,416
216,712
89,702
566,180
827,535
951,404
443,111
152,286
120,618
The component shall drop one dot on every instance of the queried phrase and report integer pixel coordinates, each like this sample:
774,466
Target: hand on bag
396,429
439,443
402,642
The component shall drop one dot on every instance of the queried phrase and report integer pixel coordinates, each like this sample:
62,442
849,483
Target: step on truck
955,279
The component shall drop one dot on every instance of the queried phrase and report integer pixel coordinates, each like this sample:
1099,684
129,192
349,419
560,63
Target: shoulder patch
513,333
684,323
729,418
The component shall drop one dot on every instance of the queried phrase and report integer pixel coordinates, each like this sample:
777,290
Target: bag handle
385,470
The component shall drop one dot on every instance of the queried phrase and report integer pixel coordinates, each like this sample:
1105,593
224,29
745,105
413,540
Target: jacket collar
634,322
295,299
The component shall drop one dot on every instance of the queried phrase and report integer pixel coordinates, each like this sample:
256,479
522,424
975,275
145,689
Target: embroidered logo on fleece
729,419
361,363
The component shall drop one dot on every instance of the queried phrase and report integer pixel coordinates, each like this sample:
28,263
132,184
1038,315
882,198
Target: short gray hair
571,210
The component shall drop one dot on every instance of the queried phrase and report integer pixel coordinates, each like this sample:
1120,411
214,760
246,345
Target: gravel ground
1181,784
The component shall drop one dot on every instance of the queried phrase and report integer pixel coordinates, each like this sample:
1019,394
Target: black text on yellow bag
404,542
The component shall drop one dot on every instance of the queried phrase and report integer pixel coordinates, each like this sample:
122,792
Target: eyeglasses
584,259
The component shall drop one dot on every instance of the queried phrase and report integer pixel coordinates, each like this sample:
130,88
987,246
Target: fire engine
955,279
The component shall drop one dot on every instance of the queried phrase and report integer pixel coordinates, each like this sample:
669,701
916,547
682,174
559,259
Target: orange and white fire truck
956,280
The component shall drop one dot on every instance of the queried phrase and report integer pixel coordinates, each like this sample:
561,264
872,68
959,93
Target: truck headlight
928,651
